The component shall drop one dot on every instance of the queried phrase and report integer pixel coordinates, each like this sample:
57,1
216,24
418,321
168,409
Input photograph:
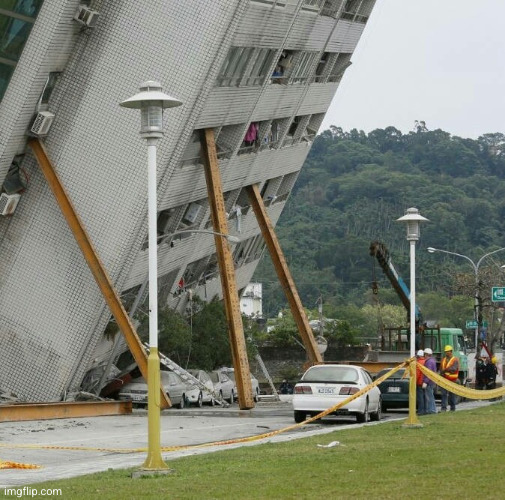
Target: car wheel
377,415
299,416
362,418
257,395
199,402
182,404
232,397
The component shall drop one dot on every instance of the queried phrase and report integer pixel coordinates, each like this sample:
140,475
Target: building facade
261,73
251,301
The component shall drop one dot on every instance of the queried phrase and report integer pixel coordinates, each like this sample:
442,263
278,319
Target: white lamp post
151,101
477,307
413,220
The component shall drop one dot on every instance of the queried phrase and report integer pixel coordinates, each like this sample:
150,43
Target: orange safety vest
445,365
419,373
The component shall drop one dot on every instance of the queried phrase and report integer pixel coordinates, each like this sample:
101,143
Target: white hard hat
428,351
420,353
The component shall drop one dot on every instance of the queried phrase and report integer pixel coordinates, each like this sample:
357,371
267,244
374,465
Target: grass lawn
454,456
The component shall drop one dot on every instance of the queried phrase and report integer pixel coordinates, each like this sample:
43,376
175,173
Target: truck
394,347
394,343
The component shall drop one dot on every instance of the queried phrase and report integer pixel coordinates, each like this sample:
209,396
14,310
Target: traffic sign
472,323
498,294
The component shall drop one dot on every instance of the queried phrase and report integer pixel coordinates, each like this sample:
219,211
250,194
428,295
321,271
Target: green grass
455,455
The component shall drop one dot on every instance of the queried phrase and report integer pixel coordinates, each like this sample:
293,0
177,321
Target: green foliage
198,340
283,331
340,333
351,190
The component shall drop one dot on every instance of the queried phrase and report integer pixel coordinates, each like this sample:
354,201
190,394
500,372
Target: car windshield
214,377
331,374
399,374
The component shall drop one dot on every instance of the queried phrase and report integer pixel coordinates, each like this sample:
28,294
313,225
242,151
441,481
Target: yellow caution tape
441,381
17,465
220,443
461,390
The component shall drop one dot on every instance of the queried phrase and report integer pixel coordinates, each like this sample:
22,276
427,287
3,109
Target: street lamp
413,220
151,101
478,301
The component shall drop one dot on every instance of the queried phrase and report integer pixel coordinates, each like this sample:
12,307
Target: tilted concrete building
261,73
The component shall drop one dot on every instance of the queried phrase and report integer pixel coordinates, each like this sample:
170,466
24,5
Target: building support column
95,265
227,271
284,274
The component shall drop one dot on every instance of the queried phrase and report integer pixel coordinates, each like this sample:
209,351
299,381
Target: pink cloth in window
252,132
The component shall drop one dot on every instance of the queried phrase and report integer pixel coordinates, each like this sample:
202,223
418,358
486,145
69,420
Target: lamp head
151,101
413,219
431,249
232,239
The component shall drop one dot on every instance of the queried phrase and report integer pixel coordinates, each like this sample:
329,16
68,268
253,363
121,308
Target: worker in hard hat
449,369
428,384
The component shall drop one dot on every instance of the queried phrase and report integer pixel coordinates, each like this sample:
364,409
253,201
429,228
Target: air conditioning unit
192,213
42,123
86,16
8,203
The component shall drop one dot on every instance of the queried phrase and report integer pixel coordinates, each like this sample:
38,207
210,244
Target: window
303,68
283,67
245,65
16,22
331,8
192,153
341,64
48,89
321,67
294,67
6,71
258,72
358,10
233,68
312,4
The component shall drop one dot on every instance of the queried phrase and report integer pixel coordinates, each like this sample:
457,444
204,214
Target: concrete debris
7,397
83,396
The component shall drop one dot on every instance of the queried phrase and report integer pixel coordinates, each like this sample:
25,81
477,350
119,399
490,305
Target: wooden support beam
284,274
74,409
95,265
227,271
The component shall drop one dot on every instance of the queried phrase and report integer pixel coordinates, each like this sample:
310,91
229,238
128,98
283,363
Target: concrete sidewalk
105,437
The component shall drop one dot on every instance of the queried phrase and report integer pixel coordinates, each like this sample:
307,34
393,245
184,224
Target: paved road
187,427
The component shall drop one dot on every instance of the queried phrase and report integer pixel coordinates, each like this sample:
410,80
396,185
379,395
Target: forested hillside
352,189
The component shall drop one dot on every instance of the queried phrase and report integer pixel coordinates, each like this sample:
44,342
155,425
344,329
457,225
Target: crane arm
381,253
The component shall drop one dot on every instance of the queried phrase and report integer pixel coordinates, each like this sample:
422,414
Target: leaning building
260,73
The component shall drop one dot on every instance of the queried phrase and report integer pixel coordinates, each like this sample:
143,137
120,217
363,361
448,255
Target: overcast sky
441,61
